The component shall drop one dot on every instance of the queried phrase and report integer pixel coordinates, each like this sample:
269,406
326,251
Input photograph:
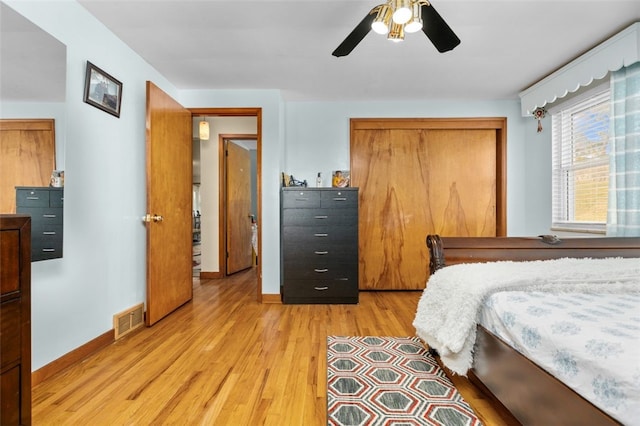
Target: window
580,162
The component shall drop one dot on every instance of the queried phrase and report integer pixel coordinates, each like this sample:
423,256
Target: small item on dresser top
340,179
57,179
295,182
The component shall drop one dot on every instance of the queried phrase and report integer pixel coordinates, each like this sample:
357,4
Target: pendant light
204,129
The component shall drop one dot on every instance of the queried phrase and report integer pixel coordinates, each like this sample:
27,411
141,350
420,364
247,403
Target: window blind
580,162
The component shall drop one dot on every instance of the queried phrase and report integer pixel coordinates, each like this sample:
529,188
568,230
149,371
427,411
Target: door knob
152,218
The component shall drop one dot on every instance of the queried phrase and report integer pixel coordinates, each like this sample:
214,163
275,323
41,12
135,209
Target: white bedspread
591,342
447,313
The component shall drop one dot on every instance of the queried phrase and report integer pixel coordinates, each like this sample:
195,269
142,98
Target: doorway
240,202
213,233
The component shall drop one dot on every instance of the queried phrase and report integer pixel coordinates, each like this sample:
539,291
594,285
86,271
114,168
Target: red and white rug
390,381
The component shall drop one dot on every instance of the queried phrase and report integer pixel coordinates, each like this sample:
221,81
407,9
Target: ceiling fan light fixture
381,22
204,130
415,15
415,23
402,11
396,34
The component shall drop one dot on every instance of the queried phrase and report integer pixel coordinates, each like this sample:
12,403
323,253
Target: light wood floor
224,359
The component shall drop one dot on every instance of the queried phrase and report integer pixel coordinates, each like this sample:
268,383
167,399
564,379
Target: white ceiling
507,45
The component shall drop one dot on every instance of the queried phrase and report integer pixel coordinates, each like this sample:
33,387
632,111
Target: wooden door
418,178
238,190
27,157
169,180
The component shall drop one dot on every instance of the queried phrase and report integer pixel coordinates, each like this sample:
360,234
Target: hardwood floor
224,359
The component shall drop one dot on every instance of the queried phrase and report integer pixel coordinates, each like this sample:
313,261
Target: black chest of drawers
45,206
319,243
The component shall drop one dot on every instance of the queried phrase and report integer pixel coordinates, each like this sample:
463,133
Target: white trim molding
623,49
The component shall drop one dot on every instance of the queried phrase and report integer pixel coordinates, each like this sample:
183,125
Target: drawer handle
50,216
33,198
48,250
321,270
321,252
340,199
320,235
48,232
321,217
321,288
302,199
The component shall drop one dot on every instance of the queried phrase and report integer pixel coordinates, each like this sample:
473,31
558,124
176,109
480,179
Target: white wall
538,176
103,269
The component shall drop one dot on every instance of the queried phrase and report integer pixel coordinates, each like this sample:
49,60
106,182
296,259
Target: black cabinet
45,206
319,243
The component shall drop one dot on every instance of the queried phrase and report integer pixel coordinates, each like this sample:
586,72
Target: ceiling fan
397,17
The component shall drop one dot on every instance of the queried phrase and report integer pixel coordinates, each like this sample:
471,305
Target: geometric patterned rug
390,381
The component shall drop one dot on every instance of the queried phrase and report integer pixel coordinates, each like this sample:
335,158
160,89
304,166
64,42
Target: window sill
581,228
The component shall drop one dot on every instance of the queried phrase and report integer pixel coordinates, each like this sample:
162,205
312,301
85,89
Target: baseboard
72,357
211,275
271,298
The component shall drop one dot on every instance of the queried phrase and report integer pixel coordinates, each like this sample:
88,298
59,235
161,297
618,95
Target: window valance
623,49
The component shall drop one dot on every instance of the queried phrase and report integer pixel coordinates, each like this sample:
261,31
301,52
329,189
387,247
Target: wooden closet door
414,182
27,157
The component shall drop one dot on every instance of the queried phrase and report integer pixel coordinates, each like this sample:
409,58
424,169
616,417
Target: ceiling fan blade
355,36
438,31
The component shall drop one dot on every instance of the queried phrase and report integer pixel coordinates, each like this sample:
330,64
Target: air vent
127,321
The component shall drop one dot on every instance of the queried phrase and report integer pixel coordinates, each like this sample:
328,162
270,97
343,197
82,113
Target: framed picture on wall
102,90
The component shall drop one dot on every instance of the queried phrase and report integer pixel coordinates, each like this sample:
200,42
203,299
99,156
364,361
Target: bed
525,389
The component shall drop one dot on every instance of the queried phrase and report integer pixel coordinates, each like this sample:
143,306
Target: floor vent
127,321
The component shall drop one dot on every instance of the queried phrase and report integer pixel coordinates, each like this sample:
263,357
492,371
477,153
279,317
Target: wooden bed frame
528,392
